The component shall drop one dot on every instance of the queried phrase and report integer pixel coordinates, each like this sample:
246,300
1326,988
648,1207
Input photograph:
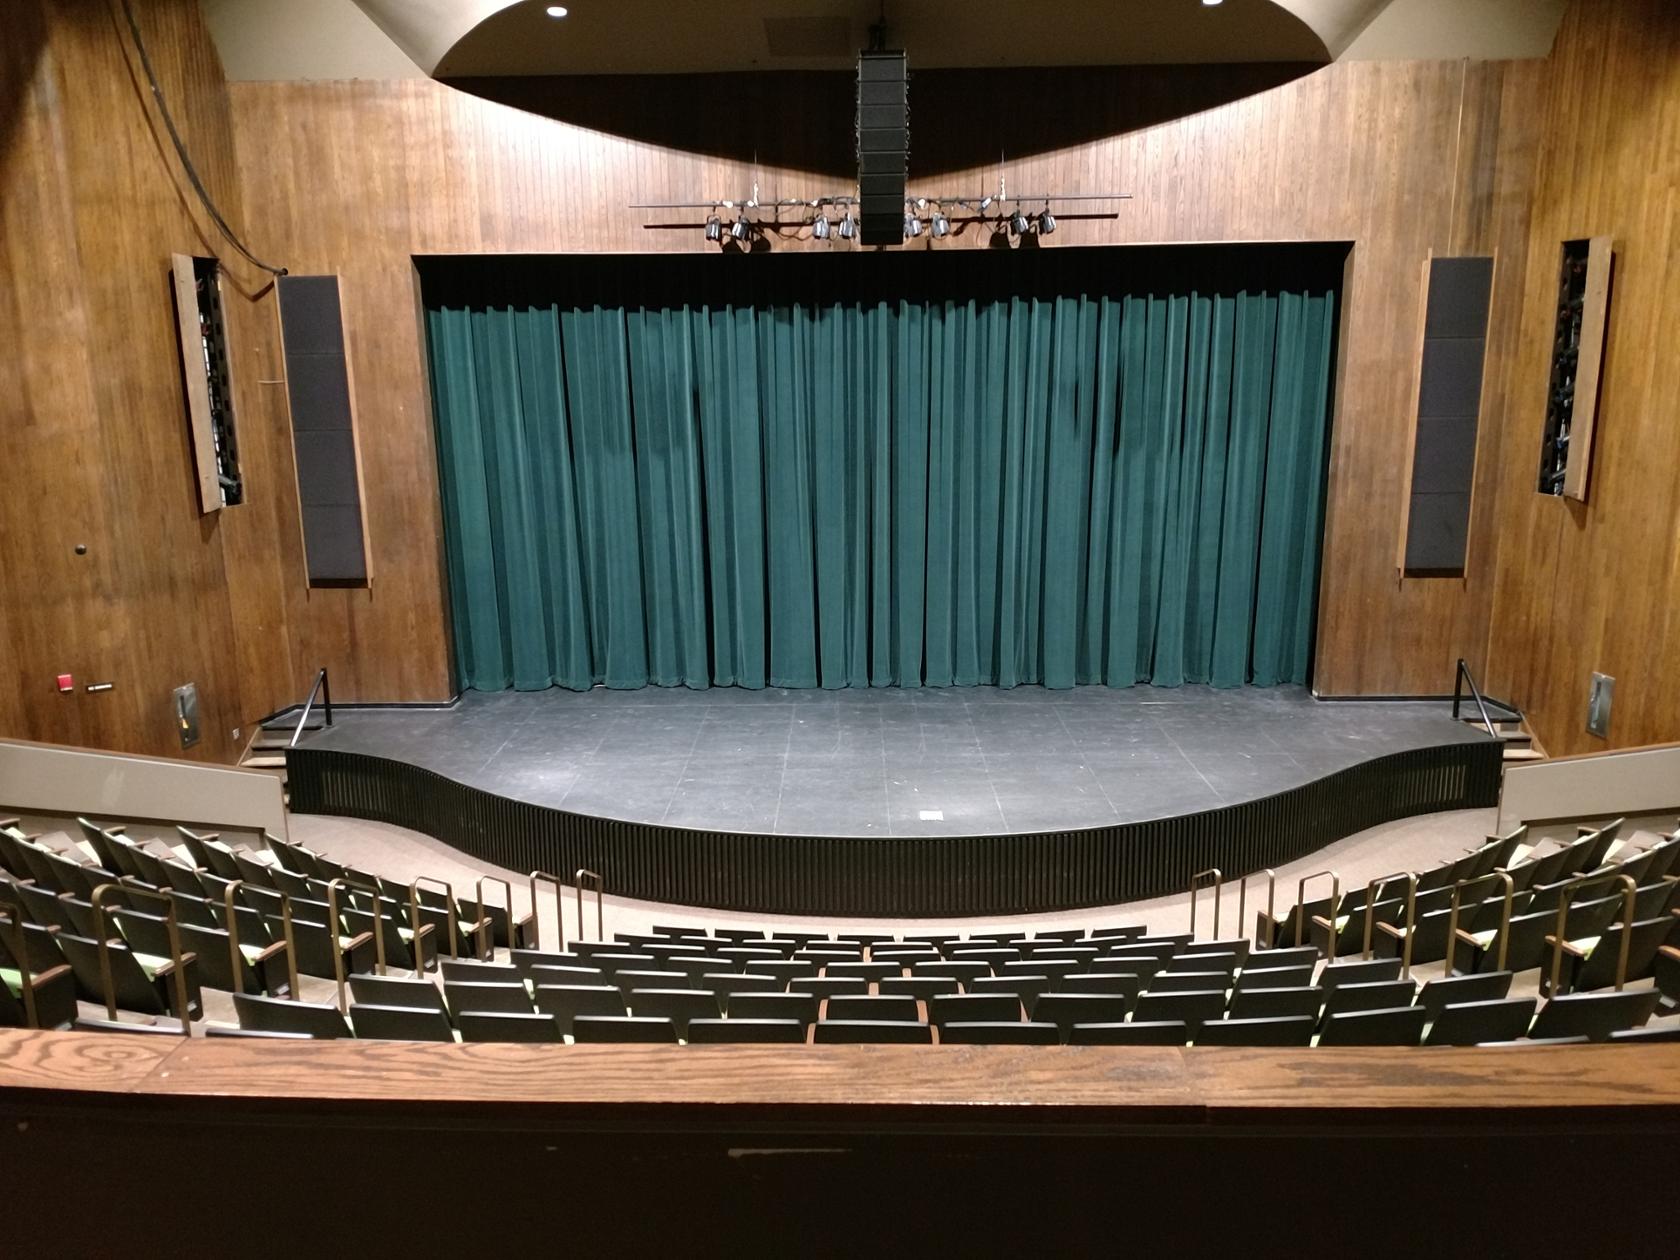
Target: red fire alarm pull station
66,683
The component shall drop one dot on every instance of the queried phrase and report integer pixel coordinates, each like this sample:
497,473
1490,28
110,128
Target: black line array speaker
1449,411
883,146
323,430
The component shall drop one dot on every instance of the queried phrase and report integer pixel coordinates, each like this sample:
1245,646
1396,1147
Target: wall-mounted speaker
323,430
883,146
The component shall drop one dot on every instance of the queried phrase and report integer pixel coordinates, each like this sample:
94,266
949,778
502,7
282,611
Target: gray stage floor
893,762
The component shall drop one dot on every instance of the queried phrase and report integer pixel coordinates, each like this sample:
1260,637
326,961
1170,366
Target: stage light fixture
941,225
714,229
1017,223
848,226
1046,222
819,227
740,228
912,226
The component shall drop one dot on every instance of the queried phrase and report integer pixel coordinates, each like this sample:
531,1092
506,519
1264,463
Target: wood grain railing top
1162,1085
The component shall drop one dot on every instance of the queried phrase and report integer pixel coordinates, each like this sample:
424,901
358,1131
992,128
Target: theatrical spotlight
1018,223
912,226
714,229
941,225
740,228
848,226
1046,222
819,227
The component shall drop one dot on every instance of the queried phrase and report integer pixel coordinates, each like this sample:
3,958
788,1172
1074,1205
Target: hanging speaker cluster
883,146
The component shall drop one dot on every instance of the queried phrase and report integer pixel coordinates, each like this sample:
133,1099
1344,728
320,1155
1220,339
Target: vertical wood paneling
1594,586
1400,158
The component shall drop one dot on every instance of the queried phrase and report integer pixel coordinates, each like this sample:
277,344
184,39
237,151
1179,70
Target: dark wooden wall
1596,586
1399,158
93,435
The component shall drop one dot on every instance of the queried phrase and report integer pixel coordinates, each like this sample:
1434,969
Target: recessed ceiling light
1209,3
559,10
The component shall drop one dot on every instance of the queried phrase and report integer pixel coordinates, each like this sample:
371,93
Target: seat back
482,998
1188,982
1191,1009
1368,971
266,1014
677,1005
1594,1015
420,995
1172,1032
1281,1030
130,986
1397,1026
704,1032
923,987
507,1026
626,1029
1600,968
1486,986
1472,1023
566,1002
1000,1033
796,1006
874,1007
1369,997
1250,978
399,1023
1283,956
1067,1009
1304,1002
871,1031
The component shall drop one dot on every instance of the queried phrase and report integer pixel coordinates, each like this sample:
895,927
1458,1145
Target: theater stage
893,762
894,802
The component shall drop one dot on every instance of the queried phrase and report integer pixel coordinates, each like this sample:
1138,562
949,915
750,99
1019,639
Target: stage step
264,761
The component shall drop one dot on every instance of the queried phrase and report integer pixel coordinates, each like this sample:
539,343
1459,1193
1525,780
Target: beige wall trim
53,779
1633,781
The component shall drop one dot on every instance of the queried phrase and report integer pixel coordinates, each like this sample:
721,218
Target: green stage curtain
778,472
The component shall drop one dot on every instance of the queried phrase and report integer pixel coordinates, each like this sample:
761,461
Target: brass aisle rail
559,909
1504,936
452,921
486,928
234,953
1197,883
18,944
1567,894
1301,908
337,926
600,912
1372,890
1271,902
177,959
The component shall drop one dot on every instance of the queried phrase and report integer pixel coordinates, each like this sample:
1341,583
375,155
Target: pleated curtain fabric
797,479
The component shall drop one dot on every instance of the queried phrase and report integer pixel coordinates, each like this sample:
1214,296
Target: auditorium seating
1108,985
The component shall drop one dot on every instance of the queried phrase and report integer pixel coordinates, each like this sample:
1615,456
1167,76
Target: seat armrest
1569,947
1393,929
264,955
1464,938
361,938
1668,951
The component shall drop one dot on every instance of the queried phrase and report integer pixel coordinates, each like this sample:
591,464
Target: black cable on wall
181,149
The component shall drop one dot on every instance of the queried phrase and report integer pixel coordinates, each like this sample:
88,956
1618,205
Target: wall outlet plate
1598,705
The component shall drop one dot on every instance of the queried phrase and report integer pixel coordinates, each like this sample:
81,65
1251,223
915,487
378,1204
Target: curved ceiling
384,39
681,36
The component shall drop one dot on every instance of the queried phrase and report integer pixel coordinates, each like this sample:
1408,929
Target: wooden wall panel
1399,158
94,438
1596,585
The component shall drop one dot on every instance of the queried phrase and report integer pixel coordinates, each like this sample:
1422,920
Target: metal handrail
1372,890
19,947
233,940
322,688
1504,934
1196,885
1464,676
1566,895
1301,907
1271,901
177,958
600,912
333,885
486,929
454,923
559,909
